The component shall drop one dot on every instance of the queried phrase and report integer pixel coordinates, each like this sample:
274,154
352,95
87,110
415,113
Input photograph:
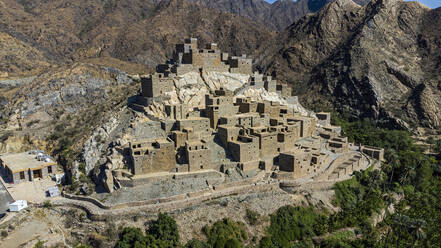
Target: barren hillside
379,61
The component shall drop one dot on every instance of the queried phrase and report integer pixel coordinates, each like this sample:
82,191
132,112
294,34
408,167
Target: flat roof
18,162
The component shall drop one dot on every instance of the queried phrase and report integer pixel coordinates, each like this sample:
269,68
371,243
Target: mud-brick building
152,155
27,166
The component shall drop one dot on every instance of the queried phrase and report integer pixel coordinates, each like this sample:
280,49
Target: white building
18,205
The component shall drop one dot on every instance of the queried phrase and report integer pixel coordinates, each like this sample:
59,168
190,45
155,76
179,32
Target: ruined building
231,130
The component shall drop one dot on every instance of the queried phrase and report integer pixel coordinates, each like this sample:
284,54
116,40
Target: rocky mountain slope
380,61
276,16
64,108
138,33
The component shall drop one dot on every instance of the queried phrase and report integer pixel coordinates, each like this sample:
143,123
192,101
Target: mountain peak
380,61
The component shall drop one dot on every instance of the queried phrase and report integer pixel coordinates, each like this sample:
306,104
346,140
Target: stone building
324,119
156,84
197,155
373,152
241,64
149,156
189,57
219,104
338,144
27,166
347,167
250,134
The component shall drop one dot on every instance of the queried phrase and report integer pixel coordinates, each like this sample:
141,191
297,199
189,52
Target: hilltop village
255,135
205,126
207,114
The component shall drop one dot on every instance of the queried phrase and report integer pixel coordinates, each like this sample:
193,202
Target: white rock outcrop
192,87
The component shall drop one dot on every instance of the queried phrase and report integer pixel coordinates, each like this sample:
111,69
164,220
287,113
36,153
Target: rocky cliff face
378,61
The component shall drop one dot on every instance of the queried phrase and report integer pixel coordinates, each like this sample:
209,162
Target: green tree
431,141
196,244
133,237
165,229
424,173
437,147
293,223
225,232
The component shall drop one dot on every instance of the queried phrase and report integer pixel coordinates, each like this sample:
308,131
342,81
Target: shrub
132,237
47,204
40,244
163,233
290,223
165,229
4,233
225,232
111,231
252,216
196,244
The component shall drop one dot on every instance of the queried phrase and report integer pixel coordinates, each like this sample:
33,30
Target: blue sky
430,3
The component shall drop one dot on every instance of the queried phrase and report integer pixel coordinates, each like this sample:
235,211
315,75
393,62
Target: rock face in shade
5,199
380,61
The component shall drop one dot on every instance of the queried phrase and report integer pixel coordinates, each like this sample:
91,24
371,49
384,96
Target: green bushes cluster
225,233
162,233
290,224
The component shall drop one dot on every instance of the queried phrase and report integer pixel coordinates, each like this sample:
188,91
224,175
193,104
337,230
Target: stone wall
98,211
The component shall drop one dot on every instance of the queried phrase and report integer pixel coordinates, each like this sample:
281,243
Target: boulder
108,181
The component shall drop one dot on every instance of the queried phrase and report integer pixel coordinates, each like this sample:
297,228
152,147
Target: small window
49,169
22,175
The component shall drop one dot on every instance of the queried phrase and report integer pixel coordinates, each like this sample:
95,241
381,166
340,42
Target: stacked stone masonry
254,134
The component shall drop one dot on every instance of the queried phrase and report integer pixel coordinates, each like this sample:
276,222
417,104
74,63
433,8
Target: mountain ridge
364,61
133,31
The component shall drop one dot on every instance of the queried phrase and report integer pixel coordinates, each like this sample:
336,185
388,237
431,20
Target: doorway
37,173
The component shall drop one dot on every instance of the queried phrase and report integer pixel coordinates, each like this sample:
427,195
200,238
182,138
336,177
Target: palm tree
402,222
394,159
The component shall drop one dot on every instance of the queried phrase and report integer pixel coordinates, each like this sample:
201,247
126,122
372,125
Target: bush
4,233
47,204
163,233
132,237
252,216
225,232
165,229
111,231
290,224
40,244
196,244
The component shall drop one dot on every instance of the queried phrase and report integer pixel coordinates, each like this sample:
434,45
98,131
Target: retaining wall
99,211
